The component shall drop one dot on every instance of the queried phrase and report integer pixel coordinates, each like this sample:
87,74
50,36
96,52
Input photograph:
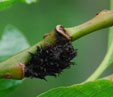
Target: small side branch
102,20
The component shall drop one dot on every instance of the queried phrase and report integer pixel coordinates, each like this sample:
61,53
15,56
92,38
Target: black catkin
52,60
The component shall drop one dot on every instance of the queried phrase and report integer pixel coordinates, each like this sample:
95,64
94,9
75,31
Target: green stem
14,66
103,66
102,20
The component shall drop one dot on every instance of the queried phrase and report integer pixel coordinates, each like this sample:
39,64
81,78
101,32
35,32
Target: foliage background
36,19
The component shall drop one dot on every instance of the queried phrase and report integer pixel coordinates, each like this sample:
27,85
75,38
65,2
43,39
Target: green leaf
8,3
30,1
100,88
12,42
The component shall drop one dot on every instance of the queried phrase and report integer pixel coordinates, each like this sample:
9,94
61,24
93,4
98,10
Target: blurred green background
36,19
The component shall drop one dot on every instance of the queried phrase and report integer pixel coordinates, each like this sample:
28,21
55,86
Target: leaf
30,1
12,42
100,88
7,3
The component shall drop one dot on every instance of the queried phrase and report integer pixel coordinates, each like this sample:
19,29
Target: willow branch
14,67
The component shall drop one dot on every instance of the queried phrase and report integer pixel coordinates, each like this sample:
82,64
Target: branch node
62,31
7,75
102,12
45,35
47,45
22,68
